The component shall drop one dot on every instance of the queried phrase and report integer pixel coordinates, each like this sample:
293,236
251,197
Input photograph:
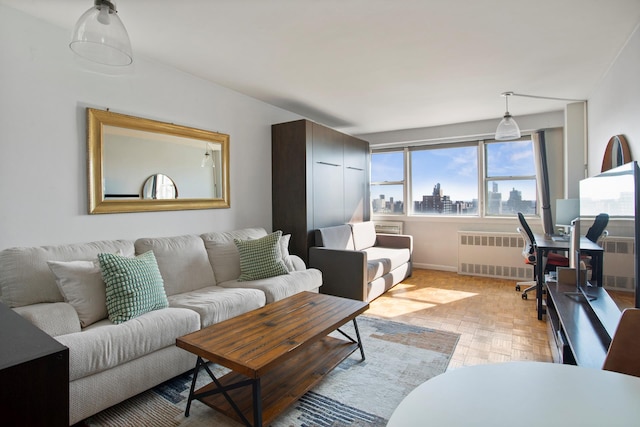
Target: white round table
522,394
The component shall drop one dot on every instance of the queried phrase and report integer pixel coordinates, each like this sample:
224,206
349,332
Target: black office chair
551,261
529,255
595,232
598,227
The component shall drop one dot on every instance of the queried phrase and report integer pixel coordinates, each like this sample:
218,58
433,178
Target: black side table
34,374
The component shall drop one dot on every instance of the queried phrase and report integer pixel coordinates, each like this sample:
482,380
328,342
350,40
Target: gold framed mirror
128,157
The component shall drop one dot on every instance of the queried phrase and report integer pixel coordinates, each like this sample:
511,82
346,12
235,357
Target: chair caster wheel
524,296
517,288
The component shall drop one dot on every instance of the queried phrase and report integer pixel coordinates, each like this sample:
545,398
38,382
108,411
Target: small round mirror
159,186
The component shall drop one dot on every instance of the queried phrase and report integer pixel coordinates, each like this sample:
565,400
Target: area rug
399,357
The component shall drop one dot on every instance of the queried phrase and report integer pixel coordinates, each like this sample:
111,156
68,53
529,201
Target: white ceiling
365,66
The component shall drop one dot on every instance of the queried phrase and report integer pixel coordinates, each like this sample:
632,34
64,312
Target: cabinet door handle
355,169
328,164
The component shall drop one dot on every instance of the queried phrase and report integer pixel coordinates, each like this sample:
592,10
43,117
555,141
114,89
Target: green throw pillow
260,258
134,286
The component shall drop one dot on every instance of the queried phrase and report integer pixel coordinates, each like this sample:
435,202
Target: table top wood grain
255,342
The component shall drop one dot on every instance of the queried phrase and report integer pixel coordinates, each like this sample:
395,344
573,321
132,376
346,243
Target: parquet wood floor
495,324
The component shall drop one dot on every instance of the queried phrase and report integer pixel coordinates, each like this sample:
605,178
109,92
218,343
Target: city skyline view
498,202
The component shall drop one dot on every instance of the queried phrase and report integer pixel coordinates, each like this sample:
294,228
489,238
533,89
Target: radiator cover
495,254
492,254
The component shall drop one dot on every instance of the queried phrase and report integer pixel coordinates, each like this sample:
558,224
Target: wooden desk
546,244
522,394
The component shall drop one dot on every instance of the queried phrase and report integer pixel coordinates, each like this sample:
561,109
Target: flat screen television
617,193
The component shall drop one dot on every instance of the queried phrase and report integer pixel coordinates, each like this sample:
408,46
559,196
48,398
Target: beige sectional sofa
111,362
358,263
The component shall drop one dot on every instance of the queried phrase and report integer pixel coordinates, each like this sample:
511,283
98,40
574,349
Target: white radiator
619,260
492,254
389,227
499,255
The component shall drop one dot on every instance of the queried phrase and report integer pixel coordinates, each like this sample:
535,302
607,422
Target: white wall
43,182
614,107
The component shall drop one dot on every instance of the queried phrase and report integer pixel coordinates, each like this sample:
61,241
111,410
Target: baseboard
449,268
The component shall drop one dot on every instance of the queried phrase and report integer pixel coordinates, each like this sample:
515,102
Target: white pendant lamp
207,160
507,128
99,36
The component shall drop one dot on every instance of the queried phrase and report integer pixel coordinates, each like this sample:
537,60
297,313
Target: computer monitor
566,211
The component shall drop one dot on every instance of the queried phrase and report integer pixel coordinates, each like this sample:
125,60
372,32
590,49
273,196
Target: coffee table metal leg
199,362
355,326
356,341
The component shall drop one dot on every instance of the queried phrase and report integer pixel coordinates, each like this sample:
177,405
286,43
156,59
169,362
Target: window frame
486,178
442,146
402,183
482,181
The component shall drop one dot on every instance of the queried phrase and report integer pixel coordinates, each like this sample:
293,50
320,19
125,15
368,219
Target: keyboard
563,238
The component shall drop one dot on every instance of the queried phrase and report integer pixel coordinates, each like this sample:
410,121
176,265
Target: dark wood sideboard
34,374
580,329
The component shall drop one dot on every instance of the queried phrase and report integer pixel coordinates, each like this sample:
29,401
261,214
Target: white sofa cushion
215,304
104,345
382,284
279,287
381,261
182,261
223,253
25,277
337,237
284,251
364,234
81,284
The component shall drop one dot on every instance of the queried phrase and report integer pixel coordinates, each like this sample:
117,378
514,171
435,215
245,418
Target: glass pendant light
99,36
207,160
507,128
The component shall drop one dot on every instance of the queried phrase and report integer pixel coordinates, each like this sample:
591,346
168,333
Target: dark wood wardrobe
320,178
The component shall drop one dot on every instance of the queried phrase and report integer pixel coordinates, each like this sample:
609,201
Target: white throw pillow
81,285
284,250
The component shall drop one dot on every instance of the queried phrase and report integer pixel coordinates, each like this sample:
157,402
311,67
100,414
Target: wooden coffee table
276,354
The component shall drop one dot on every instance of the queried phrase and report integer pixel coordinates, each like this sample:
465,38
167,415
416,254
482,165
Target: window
510,178
455,179
387,182
444,180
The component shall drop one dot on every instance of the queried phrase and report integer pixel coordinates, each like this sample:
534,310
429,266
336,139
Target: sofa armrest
54,318
344,272
298,263
395,241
